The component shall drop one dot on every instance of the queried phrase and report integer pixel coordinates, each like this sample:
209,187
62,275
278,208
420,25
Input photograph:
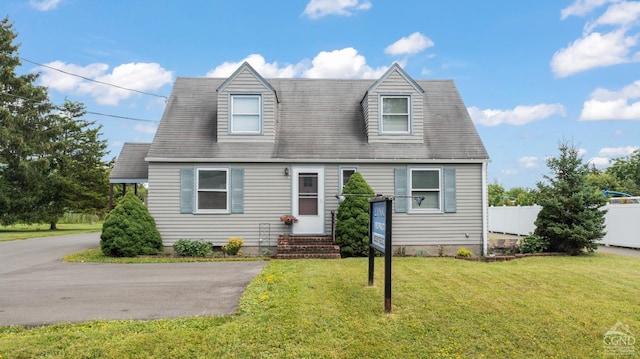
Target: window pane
392,105
246,123
425,180
246,105
212,179
395,123
431,200
346,174
308,183
212,200
308,206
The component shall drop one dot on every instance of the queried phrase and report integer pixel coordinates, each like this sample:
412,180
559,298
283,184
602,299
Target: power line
88,112
93,80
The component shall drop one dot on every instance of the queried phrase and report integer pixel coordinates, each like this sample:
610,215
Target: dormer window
395,115
246,114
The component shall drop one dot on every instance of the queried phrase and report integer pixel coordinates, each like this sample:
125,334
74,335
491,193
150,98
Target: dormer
247,106
393,108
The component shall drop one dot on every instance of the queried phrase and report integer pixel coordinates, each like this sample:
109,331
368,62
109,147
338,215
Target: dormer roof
246,66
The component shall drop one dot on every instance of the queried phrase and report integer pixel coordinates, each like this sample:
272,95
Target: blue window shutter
400,190
450,190
186,190
237,190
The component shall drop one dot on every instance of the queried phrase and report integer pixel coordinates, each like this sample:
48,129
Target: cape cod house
231,155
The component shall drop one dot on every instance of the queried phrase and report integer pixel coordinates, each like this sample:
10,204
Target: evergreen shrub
129,230
352,228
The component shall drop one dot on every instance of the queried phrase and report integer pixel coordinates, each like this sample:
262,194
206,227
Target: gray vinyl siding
267,195
394,84
246,83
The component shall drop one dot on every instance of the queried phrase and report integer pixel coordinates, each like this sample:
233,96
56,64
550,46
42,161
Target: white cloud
621,14
319,8
509,172
411,44
520,115
593,50
344,63
143,77
44,5
583,7
149,128
613,105
529,162
599,161
612,152
582,152
258,62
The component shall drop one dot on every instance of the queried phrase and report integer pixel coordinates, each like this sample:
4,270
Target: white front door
308,200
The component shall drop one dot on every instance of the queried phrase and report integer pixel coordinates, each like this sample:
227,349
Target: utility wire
93,80
88,112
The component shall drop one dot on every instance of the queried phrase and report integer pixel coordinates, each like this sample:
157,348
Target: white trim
232,96
197,210
440,191
381,130
317,160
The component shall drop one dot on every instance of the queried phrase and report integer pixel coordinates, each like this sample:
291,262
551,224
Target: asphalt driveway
37,288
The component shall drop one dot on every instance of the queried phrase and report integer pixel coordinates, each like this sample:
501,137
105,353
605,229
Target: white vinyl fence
622,222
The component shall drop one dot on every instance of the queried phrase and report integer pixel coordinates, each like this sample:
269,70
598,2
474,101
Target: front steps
297,247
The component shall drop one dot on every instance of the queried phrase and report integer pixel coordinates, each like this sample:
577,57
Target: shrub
129,230
463,252
191,248
352,229
533,244
233,246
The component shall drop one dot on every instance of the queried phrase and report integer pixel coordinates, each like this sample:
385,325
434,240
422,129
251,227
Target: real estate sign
380,239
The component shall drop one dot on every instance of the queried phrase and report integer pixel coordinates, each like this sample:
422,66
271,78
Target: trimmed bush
233,246
191,248
352,229
463,252
533,244
129,230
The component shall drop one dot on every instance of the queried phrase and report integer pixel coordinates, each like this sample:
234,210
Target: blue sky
531,73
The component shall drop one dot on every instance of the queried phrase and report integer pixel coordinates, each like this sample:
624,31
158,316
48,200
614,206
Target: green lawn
539,307
22,231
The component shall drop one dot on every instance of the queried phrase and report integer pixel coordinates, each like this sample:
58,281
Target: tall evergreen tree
25,124
571,218
50,158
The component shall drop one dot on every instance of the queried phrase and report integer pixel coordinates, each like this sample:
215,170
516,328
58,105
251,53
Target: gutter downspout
485,212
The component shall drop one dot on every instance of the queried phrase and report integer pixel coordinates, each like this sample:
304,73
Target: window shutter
400,190
237,190
186,190
450,190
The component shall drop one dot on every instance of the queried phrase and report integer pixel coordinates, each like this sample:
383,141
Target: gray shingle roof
131,166
317,119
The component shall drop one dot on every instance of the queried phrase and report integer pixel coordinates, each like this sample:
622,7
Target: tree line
51,158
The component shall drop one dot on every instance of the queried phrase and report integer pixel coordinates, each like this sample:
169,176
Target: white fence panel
622,222
514,220
623,225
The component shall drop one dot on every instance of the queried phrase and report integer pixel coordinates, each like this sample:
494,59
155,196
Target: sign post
380,209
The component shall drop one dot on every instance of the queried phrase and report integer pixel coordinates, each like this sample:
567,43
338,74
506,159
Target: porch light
286,171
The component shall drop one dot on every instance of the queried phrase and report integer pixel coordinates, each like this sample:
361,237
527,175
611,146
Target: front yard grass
23,231
539,307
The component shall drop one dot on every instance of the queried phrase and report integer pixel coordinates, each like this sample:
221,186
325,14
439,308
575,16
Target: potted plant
288,219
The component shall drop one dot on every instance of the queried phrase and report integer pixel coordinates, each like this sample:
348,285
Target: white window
212,186
345,174
425,183
396,115
246,114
